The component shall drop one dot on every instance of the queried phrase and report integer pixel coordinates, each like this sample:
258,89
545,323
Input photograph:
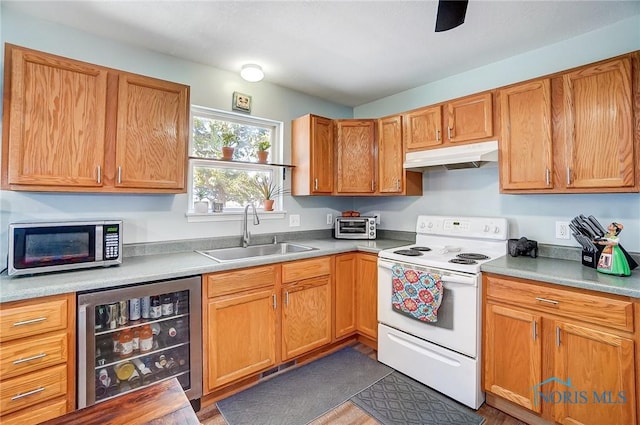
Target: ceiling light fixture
252,72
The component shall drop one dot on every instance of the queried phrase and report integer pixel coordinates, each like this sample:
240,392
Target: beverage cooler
133,337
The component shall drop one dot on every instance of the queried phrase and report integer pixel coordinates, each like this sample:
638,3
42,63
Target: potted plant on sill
201,206
269,190
263,152
229,142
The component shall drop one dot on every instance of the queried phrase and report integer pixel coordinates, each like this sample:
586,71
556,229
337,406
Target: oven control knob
430,225
496,230
486,228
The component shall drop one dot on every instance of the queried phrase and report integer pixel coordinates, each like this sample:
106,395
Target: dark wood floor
350,414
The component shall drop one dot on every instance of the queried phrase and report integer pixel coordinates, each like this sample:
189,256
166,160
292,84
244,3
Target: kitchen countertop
149,268
565,272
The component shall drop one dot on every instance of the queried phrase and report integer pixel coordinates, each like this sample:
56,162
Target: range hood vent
453,158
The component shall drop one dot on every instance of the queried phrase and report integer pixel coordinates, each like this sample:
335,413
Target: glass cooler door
134,337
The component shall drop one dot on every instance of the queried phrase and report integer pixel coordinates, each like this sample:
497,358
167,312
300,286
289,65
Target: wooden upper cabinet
599,127
423,128
312,155
390,155
153,123
526,148
55,119
71,126
356,156
470,118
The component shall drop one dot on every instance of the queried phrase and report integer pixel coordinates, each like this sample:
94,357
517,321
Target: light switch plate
294,220
329,218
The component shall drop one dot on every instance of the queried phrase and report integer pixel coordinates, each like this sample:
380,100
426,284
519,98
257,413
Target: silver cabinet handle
274,301
36,391
547,176
557,336
568,176
373,186
535,330
545,300
397,184
30,321
315,184
437,135
449,129
28,359
99,174
286,298
119,175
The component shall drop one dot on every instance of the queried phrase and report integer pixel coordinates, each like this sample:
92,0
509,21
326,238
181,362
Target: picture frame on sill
241,102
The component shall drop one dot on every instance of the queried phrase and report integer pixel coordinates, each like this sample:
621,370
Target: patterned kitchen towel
415,293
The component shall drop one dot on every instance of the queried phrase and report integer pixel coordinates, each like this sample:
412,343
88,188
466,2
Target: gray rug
301,395
399,400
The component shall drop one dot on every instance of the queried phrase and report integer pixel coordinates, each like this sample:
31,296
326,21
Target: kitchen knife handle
547,176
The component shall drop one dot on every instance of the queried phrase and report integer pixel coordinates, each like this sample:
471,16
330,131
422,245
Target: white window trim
235,214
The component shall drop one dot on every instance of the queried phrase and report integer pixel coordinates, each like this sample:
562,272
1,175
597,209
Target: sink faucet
246,235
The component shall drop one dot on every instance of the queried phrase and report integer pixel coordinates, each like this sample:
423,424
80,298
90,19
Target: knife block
590,259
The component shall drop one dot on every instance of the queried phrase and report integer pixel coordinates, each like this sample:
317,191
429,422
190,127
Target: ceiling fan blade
451,13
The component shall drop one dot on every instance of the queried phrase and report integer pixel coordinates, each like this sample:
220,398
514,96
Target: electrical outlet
329,218
562,230
294,220
377,215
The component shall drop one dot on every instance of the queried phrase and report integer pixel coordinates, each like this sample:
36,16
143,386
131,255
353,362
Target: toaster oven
355,228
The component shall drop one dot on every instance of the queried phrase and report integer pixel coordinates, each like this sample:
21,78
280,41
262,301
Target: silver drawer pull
36,391
28,359
31,321
544,300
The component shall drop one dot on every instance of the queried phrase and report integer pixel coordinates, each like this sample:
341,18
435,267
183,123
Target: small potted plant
229,142
269,190
201,206
263,150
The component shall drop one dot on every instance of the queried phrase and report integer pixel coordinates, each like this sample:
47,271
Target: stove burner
421,248
408,252
472,256
462,261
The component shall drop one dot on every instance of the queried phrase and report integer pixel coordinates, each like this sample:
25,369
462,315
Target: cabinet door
599,126
241,336
367,295
345,295
513,354
153,132
390,155
526,150
321,155
306,316
470,118
423,128
57,120
356,155
599,369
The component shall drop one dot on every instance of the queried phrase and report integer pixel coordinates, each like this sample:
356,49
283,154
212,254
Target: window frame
276,153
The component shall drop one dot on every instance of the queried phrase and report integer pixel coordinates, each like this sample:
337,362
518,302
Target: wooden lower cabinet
367,295
239,330
544,349
345,284
37,359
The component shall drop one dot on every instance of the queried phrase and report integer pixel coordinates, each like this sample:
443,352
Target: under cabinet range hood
452,158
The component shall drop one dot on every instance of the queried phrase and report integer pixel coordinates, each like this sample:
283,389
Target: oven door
458,325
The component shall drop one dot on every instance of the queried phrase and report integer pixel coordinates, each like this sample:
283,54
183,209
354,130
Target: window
229,185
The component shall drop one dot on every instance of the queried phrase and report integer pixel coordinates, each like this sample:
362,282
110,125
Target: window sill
193,217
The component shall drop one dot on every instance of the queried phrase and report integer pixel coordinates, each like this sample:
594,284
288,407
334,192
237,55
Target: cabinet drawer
31,354
27,390
24,318
305,269
37,414
241,280
596,309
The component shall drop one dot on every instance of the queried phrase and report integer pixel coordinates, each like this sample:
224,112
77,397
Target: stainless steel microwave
39,247
355,228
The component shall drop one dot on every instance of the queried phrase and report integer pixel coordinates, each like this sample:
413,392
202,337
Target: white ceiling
349,52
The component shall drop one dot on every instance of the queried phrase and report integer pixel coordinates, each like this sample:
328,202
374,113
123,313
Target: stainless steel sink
224,255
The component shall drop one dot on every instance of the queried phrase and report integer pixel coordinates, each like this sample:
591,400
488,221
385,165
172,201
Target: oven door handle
449,277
